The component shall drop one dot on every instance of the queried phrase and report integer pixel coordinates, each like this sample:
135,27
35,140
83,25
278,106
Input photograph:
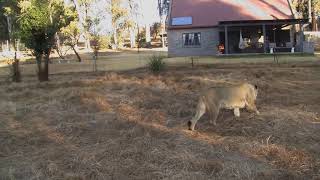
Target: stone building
217,27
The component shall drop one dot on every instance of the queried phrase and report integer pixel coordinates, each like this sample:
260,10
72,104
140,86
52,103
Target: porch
261,36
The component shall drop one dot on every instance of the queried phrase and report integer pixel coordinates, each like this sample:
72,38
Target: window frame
192,45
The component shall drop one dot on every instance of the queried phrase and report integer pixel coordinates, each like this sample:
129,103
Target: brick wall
209,42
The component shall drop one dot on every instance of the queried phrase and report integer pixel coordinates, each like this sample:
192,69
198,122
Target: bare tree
83,8
308,9
71,36
120,20
163,7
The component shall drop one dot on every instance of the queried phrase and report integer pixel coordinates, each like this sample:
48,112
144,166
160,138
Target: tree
71,36
163,9
120,20
39,21
83,8
308,9
4,34
10,10
95,41
156,29
134,14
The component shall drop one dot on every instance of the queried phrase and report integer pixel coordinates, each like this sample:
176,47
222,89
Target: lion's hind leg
201,109
214,112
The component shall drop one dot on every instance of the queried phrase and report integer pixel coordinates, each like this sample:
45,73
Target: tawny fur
234,97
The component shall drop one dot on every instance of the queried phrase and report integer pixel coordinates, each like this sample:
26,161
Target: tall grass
156,63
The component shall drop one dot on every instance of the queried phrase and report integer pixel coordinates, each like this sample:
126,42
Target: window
191,39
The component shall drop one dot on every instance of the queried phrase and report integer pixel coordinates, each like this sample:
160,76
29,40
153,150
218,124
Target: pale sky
150,11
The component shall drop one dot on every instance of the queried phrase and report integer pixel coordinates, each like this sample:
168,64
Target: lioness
234,97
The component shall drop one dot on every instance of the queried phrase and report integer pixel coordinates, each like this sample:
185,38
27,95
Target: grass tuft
156,63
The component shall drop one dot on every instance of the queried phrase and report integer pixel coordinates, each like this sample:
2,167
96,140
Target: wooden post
264,38
226,46
192,64
274,35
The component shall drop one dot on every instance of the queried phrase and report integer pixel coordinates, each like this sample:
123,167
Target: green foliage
9,12
141,36
117,11
156,29
301,6
40,20
120,20
105,41
156,63
70,34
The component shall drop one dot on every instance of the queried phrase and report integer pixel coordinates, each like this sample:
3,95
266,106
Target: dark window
191,39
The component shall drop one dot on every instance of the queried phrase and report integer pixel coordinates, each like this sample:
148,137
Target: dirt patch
133,125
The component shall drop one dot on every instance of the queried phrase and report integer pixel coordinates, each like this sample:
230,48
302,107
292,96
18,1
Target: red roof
208,13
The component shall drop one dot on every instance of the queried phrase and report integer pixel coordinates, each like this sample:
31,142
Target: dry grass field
133,125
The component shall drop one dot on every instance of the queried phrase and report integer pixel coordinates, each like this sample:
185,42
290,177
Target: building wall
209,41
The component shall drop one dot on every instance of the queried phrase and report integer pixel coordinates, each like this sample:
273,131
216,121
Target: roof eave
242,23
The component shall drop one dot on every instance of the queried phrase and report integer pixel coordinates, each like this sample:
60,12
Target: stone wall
209,41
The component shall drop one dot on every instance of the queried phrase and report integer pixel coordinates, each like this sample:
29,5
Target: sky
150,11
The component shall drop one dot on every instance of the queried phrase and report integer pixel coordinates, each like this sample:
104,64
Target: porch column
226,46
264,38
292,33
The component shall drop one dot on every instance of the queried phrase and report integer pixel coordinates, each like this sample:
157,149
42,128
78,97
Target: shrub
156,63
105,42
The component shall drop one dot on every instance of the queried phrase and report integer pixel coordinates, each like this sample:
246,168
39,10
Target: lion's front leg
253,108
236,112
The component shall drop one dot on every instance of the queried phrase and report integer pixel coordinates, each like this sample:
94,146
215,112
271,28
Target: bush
156,63
105,42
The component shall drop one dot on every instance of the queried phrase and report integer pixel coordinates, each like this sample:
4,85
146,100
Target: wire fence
123,61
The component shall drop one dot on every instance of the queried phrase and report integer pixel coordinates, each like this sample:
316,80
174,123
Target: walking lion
234,97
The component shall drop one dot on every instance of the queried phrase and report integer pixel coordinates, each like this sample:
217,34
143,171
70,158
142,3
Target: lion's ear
255,86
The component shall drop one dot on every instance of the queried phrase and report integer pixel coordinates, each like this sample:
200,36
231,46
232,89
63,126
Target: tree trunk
310,11
39,65
314,23
87,43
314,20
115,38
16,77
162,38
43,71
77,54
148,38
139,39
58,48
9,24
132,38
46,67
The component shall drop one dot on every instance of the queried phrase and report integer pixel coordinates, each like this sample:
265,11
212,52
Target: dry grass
132,125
